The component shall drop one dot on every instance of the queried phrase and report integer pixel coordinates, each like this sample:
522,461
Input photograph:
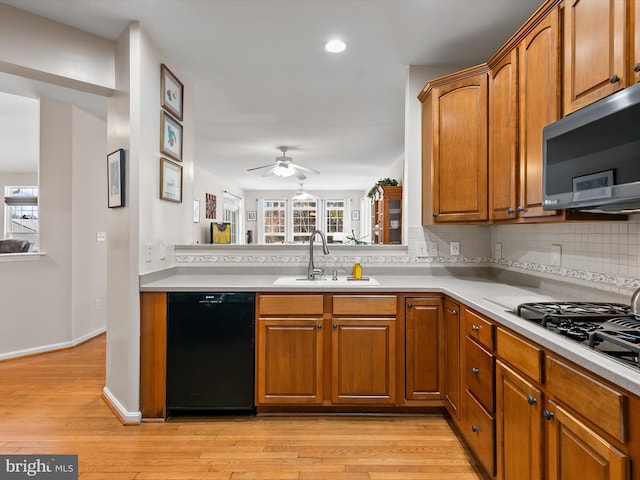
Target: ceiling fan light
283,171
335,46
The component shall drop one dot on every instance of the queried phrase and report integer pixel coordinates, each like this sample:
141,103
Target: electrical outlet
422,251
498,251
556,255
454,249
163,251
147,252
101,236
98,304
432,249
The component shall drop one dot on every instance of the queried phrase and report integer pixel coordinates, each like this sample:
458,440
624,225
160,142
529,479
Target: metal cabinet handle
475,371
636,67
434,214
510,211
319,325
475,328
335,325
520,209
454,312
614,78
475,428
409,305
548,415
531,400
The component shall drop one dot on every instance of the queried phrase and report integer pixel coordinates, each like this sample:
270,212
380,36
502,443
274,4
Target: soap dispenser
357,270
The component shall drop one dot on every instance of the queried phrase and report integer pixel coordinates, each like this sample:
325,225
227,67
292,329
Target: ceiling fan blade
258,168
269,172
300,175
304,168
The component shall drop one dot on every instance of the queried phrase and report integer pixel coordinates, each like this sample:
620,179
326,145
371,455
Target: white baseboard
52,347
125,417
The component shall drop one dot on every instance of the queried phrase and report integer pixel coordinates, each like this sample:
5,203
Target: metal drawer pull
475,371
335,325
548,415
614,79
475,328
475,428
532,400
319,325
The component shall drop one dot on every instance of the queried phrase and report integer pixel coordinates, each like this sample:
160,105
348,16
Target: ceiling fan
284,167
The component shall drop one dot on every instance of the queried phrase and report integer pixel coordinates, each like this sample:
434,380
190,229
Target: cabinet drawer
479,372
362,305
520,354
478,328
290,305
602,405
479,430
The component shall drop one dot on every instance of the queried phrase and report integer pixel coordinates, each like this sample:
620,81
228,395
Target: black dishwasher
210,352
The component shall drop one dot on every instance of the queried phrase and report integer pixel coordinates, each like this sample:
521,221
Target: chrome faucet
312,271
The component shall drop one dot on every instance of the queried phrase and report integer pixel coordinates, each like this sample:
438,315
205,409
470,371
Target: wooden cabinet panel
479,430
363,361
456,159
289,367
423,329
519,427
503,138
595,36
478,328
290,304
451,344
520,354
603,405
153,354
479,373
364,305
575,452
539,105
635,41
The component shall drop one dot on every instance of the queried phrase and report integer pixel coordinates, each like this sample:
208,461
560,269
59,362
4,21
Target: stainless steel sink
297,281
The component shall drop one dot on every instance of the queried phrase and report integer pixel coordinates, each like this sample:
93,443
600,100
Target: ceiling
262,78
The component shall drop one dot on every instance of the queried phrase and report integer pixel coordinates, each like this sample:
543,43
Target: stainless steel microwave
591,158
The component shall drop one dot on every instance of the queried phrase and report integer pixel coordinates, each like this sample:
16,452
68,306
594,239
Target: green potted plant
383,182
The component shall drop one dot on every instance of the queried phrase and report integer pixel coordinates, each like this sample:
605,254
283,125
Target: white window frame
27,197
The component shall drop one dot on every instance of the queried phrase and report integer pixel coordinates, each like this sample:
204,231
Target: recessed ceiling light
335,46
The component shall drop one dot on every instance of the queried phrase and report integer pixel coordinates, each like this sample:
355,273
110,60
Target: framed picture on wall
355,215
172,92
196,211
115,178
252,216
170,181
170,136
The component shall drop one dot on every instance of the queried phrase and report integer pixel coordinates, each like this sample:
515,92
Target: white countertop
488,297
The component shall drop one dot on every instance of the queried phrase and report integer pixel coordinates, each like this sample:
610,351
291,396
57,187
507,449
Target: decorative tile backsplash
601,255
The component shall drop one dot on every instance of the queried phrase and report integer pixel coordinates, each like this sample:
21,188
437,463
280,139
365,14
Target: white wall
43,305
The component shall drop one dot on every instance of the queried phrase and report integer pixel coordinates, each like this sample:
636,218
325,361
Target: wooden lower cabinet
576,452
423,332
363,361
451,351
290,369
519,427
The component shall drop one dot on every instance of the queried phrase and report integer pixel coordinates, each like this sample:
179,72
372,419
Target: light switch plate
432,249
147,252
556,255
498,251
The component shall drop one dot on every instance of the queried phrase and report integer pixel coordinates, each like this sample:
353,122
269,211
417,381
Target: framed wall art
170,181
172,92
196,211
210,206
115,178
252,215
170,136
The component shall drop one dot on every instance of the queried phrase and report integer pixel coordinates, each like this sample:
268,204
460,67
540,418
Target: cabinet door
575,452
539,93
518,427
289,361
635,41
503,138
595,35
452,388
363,361
423,328
460,150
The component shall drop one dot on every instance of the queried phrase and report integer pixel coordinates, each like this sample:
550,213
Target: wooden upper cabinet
635,41
503,137
595,38
539,93
455,147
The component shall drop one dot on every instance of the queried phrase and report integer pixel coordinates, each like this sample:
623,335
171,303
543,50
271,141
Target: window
274,221
21,213
305,215
231,213
335,217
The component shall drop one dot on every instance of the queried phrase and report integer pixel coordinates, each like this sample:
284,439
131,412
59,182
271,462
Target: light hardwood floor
52,403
